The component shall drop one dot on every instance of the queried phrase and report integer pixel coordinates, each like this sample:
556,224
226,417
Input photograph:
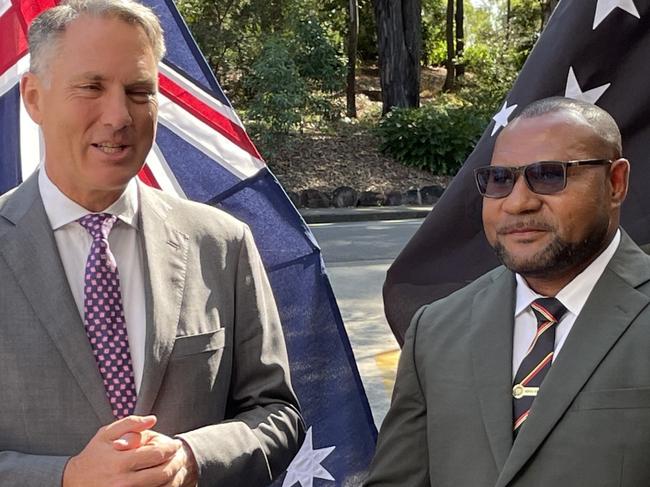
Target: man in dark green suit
538,372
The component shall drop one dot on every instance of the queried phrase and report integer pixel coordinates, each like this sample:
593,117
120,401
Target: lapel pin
519,391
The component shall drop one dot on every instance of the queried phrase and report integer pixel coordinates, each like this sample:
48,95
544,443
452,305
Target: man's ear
32,92
619,178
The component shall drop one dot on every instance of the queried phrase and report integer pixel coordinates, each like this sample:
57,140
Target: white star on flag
305,467
501,118
606,7
574,91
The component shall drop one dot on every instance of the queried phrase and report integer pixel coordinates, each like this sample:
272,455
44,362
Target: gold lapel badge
519,391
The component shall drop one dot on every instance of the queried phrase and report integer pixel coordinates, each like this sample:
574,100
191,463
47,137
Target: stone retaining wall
346,197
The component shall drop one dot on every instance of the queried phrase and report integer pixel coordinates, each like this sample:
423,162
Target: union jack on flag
203,153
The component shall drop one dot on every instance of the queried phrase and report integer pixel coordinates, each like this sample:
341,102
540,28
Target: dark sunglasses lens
546,177
494,181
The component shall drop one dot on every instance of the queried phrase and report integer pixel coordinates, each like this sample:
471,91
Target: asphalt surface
357,256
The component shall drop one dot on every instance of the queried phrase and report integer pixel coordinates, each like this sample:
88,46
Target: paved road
357,256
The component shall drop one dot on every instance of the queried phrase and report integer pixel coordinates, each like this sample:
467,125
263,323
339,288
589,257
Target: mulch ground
348,154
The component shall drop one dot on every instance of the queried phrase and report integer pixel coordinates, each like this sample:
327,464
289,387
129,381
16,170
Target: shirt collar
574,295
61,210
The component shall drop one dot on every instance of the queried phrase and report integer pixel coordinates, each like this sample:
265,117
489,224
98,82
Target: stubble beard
558,257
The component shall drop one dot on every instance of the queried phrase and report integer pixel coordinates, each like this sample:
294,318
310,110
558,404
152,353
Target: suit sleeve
401,457
266,429
22,470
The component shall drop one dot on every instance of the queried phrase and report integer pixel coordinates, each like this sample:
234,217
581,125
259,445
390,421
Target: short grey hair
600,121
46,29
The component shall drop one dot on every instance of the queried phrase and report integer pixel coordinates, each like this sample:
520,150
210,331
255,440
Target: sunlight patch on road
387,364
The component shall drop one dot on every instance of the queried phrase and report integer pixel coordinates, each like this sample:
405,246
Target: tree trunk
547,9
399,39
353,39
508,15
460,37
449,79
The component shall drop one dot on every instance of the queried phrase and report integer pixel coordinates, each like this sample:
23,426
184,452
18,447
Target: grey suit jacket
450,422
215,373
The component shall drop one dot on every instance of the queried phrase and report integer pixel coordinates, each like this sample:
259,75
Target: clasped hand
128,453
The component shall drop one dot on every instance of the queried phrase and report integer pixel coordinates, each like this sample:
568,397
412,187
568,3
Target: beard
559,256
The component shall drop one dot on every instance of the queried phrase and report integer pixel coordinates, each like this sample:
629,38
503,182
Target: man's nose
116,110
522,199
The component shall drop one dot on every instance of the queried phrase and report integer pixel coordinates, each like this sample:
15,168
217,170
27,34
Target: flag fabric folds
593,50
202,152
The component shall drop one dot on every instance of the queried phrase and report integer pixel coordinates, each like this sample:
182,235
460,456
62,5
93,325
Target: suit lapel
611,307
492,360
30,252
165,255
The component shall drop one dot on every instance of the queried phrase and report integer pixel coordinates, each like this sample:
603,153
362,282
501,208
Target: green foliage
320,66
279,92
496,50
492,75
233,33
523,30
434,42
228,33
319,62
435,53
437,137
477,56
367,44
280,61
290,81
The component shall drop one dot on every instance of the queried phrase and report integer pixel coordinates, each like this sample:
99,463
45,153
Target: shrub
279,93
488,84
437,137
316,57
436,53
291,81
321,67
434,40
477,57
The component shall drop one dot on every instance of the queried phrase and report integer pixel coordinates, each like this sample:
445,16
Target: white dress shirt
73,242
573,296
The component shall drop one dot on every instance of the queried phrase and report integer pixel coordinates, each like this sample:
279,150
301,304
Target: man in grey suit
538,372
140,344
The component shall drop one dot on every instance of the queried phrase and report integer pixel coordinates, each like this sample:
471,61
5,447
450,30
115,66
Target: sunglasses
543,177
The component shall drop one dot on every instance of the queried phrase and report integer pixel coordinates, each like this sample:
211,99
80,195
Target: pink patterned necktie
104,316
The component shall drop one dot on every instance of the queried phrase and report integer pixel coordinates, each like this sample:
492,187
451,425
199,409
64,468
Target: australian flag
203,153
591,50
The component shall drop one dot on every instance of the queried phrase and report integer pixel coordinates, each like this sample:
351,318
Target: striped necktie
537,362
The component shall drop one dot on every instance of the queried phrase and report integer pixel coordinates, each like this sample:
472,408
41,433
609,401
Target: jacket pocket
614,399
203,342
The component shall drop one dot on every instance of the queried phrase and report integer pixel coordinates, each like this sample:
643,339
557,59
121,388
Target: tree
449,79
460,37
210,23
274,16
399,38
353,40
547,9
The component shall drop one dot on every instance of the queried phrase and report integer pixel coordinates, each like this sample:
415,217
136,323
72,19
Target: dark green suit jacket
450,422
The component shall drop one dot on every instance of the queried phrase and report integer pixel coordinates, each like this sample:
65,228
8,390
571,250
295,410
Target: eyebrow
95,77
89,77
